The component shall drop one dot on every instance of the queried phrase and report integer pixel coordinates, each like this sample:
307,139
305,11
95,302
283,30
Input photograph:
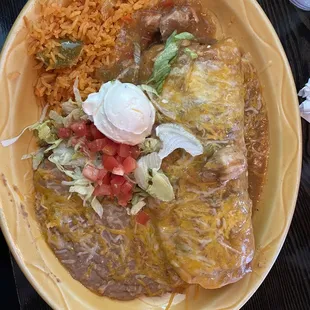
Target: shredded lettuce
63,156
74,115
37,158
79,185
53,145
57,119
162,65
11,141
44,133
69,106
85,191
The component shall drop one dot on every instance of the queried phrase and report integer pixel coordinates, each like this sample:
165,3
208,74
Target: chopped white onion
176,137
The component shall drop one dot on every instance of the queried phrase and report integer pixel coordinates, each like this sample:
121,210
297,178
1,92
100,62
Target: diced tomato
96,134
123,203
79,128
167,3
88,135
119,159
142,218
103,190
119,170
127,187
64,133
129,164
97,145
116,189
91,173
102,173
116,184
134,152
124,198
107,179
110,162
117,179
110,148
123,150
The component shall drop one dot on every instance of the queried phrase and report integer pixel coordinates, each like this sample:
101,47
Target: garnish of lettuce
162,65
151,179
174,137
37,158
64,157
72,112
41,126
46,133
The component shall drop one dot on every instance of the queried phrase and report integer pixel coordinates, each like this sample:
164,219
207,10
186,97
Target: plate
245,21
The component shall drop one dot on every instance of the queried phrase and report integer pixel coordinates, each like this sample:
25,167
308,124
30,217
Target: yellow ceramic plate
241,19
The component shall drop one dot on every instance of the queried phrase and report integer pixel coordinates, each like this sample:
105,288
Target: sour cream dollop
122,112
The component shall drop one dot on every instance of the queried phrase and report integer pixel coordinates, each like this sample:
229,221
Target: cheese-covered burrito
207,232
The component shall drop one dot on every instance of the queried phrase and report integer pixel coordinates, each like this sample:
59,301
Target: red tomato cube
119,159
91,173
96,134
124,198
142,218
97,145
135,152
129,164
88,135
110,148
106,179
64,133
123,150
119,170
127,187
79,128
119,180
103,190
109,162
102,173
116,189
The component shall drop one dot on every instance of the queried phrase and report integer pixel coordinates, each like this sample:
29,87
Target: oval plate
241,19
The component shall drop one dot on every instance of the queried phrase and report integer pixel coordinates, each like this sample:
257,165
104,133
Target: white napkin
304,108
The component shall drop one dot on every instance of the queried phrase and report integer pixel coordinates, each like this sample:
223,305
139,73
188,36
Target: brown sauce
256,131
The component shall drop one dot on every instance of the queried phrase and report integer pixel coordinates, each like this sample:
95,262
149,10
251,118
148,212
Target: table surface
288,284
